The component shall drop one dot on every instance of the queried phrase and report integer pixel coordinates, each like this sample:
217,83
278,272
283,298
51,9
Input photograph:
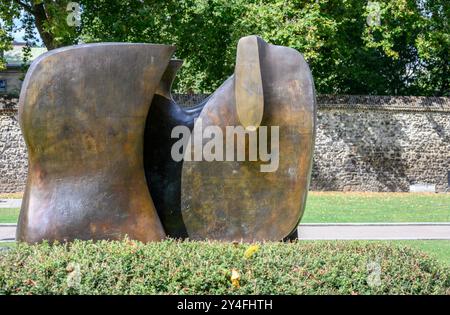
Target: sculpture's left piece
82,112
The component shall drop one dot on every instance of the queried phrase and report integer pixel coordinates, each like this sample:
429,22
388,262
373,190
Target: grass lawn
342,207
323,207
7,244
9,215
437,249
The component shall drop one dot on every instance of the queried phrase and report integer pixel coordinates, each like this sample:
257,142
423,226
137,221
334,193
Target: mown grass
9,215
171,267
7,244
353,207
342,207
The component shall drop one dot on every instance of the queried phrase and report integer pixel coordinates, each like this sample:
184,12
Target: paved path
10,203
375,231
7,232
343,231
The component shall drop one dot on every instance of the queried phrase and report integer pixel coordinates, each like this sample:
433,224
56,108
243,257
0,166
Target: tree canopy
401,48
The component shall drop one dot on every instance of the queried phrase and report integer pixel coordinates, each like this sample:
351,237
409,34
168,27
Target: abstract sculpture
162,172
233,200
99,123
82,113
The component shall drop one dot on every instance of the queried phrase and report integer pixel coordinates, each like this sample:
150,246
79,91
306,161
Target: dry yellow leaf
251,251
235,277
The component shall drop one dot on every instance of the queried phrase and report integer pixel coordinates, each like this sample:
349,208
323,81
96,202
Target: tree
406,53
5,45
202,30
47,16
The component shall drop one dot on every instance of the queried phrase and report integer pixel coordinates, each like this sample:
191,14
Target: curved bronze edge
233,201
163,174
84,135
165,85
248,82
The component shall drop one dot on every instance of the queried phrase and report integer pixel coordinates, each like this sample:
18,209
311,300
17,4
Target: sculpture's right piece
272,96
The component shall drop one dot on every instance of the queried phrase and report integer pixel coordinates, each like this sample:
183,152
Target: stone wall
364,143
382,143
13,153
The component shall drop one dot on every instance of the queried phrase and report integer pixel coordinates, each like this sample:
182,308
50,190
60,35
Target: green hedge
173,267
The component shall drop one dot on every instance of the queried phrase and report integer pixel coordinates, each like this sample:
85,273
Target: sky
18,35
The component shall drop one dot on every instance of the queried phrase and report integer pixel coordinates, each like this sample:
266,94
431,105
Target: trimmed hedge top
173,267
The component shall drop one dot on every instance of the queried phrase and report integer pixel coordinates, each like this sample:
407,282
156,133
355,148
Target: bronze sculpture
162,172
82,112
97,147
234,200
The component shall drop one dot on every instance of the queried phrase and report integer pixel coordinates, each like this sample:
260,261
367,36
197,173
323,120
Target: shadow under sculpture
97,147
82,112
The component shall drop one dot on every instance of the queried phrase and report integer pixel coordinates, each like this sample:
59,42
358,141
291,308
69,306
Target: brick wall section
364,143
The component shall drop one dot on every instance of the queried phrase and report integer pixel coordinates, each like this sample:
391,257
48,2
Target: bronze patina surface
98,120
162,172
234,200
248,89
82,112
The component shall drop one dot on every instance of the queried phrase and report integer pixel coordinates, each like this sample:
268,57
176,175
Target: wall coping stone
8,106
387,103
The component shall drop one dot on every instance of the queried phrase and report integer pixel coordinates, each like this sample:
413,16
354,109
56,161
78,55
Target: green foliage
7,15
129,267
406,54
5,45
201,30
47,16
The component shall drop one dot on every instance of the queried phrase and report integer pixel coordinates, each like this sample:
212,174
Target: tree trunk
40,18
